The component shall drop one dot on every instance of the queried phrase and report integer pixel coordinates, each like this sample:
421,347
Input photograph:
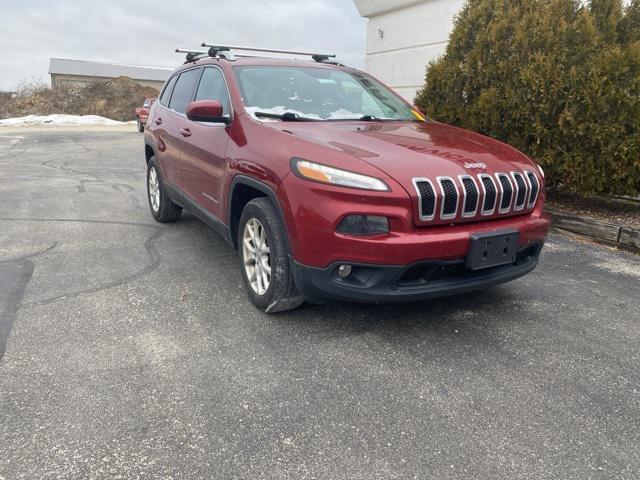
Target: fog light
344,271
364,225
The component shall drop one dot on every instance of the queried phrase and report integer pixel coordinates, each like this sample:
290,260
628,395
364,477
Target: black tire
281,294
140,126
167,211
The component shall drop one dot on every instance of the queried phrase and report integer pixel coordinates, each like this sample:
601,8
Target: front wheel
264,259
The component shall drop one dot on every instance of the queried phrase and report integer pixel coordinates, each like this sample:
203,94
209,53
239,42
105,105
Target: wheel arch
242,190
149,151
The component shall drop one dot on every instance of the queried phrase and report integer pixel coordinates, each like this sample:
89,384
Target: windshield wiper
286,116
364,118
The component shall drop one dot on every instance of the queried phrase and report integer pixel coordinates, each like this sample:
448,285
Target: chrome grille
471,195
521,191
534,191
490,194
507,192
427,198
449,191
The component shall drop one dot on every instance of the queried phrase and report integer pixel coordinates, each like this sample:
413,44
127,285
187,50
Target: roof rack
192,55
216,50
224,51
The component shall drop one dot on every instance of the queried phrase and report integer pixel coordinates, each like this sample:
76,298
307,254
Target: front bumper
419,281
314,211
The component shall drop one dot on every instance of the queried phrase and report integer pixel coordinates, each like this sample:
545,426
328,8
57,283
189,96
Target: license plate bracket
492,249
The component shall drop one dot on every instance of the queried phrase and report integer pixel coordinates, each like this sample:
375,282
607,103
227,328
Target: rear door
174,120
162,129
204,163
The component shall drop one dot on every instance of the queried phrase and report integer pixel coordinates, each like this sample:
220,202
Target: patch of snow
343,114
340,114
60,119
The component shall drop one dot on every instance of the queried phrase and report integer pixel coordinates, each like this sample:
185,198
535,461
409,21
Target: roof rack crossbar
192,55
318,57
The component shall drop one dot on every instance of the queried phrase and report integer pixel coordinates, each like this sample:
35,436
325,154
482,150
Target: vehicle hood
406,150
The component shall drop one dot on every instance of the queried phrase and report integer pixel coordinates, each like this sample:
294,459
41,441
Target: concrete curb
598,230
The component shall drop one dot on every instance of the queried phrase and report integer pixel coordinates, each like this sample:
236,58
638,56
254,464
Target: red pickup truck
142,113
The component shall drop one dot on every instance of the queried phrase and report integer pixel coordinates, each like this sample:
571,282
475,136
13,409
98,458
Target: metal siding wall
413,36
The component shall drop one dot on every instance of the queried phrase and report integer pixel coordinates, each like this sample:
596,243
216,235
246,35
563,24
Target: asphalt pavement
129,349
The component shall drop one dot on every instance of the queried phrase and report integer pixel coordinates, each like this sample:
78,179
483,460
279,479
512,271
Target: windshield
308,93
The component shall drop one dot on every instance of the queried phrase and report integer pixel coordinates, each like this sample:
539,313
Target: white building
86,71
403,36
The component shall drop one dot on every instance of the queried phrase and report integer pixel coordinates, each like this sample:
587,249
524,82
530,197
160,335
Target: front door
203,162
174,119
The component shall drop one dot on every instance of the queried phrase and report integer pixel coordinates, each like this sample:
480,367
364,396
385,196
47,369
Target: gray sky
147,32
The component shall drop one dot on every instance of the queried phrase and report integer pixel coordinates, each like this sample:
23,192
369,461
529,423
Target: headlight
335,176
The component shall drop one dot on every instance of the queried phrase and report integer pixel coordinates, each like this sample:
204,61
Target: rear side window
213,87
166,94
183,91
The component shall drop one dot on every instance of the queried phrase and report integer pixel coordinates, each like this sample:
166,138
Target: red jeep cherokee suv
332,187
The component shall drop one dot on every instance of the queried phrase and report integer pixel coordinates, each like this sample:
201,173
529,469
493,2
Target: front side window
318,94
183,91
213,87
166,93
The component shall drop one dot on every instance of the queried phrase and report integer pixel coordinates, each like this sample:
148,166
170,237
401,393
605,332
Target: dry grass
116,99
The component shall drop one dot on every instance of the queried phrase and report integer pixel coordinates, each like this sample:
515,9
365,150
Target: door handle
158,121
185,132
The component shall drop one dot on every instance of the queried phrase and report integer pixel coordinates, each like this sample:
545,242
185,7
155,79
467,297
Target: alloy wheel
256,256
154,189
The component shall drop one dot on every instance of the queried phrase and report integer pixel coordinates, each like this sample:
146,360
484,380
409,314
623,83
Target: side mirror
209,111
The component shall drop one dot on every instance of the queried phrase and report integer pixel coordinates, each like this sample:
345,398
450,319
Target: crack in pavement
154,263
86,178
32,255
13,146
92,177
15,274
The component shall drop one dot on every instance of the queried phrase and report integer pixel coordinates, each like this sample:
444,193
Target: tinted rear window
183,91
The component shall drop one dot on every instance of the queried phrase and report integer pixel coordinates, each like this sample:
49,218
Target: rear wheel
162,208
264,258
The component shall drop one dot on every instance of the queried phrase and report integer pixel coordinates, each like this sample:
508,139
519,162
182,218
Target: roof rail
215,50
